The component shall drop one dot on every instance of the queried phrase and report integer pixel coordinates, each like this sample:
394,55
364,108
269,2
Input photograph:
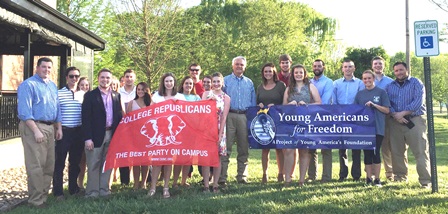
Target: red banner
167,133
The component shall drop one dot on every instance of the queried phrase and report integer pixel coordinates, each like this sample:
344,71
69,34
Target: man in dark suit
101,113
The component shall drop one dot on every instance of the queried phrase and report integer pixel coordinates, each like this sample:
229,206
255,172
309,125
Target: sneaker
369,182
426,186
377,182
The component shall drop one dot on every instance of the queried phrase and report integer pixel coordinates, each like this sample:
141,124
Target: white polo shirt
126,97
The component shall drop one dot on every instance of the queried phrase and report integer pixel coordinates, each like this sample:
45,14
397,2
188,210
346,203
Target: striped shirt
344,90
37,100
407,97
70,108
241,91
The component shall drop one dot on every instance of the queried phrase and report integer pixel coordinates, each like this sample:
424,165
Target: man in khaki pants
242,96
40,117
408,127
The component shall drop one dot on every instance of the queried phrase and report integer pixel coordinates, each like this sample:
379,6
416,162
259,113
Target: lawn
314,197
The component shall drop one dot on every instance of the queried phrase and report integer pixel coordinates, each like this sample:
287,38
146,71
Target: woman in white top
167,91
82,88
142,100
186,88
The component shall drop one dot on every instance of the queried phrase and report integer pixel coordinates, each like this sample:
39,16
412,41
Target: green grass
333,197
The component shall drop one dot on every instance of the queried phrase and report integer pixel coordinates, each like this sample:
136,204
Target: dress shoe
222,184
39,206
60,198
243,181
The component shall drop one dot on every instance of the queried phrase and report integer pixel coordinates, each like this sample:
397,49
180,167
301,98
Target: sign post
426,45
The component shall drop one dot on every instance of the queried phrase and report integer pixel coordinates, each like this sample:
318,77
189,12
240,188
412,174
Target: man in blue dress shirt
40,124
344,92
325,87
242,96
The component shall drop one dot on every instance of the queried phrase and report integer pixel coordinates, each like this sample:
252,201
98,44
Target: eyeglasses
71,76
194,69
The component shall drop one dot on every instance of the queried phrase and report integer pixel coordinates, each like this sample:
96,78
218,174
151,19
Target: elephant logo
162,131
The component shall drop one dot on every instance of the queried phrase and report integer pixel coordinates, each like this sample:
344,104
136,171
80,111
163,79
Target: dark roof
41,13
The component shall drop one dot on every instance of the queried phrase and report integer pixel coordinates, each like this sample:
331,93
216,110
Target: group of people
82,121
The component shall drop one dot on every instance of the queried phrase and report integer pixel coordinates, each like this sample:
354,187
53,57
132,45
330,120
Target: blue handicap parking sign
426,42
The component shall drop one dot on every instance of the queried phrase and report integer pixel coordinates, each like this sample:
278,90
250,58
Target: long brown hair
181,86
274,71
147,96
292,80
162,89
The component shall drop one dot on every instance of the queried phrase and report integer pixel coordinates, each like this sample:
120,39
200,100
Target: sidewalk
11,154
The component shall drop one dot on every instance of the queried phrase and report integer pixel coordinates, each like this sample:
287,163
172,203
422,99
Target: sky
367,24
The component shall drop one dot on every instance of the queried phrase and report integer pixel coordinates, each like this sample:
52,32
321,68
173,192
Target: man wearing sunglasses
71,141
195,73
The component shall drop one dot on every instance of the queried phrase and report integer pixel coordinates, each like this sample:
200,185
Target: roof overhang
44,15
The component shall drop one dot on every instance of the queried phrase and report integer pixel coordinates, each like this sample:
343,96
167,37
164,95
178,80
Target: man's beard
318,73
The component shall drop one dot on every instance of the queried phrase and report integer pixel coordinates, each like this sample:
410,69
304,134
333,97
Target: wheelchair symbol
426,42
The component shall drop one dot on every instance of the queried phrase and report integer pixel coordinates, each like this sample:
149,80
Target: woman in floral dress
223,106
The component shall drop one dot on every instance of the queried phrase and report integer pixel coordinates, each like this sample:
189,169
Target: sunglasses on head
71,76
194,69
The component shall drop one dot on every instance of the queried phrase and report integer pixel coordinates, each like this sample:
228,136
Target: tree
144,33
88,13
442,4
362,58
220,30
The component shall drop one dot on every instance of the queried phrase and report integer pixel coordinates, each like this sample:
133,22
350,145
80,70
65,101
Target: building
30,29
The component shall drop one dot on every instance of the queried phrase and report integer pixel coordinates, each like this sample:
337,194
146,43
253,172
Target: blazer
94,116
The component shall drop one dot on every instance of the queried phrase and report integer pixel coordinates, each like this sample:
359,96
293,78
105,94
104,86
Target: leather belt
108,128
49,123
70,128
237,111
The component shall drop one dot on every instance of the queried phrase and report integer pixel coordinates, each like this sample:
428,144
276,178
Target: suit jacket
94,116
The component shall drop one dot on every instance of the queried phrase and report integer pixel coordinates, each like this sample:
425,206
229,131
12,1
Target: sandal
264,180
280,177
206,189
142,185
287,184
151,192
215,189
166,193
301,184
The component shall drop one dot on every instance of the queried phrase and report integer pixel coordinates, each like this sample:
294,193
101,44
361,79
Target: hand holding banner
166,133
312,127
